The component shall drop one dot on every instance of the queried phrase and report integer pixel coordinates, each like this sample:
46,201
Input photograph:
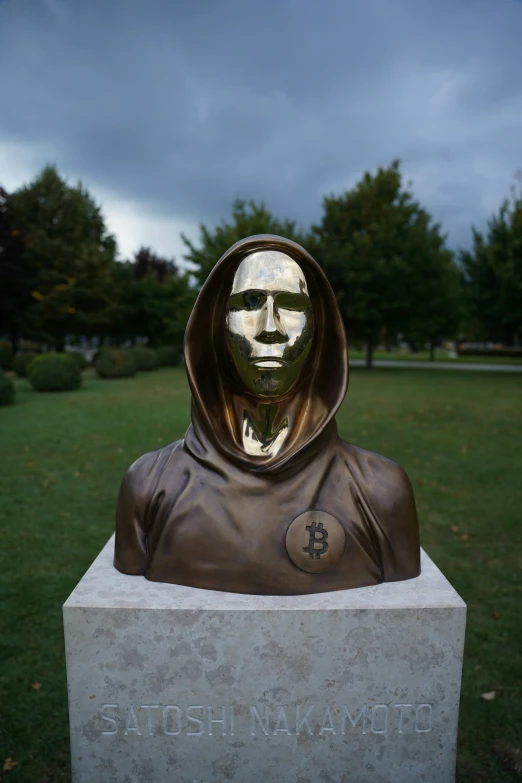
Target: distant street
440,365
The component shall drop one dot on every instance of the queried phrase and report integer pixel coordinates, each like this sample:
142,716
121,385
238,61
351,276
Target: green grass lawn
458,434
440,356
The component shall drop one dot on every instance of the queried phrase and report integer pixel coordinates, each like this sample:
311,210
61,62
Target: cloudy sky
170,109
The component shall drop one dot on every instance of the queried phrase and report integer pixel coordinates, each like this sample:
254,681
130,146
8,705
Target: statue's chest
226,537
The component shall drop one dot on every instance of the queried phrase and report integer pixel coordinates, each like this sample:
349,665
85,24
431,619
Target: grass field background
458,434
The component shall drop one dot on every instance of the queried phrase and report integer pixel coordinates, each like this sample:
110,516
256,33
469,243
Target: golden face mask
269,323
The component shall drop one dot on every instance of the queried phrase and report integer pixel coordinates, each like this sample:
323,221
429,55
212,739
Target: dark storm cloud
185,106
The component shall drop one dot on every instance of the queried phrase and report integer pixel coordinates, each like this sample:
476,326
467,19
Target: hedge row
114,363
21,363
126,362
146,359
54,372
6,357
46,372
7,389
63,371
168,356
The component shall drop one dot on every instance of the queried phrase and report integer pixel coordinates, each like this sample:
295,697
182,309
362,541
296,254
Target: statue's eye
252,300
292,301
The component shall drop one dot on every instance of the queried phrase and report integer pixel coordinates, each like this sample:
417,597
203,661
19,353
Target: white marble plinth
170,683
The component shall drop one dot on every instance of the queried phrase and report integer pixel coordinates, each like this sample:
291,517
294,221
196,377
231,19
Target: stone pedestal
170,683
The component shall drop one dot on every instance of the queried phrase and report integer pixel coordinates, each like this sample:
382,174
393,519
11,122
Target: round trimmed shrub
21,363
146,358
168,356
54,372
79,358
6,356
99,353
115,363
7,389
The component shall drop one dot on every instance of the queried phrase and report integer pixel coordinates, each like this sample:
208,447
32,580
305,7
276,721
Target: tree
385,260
67,255
153,300
493,275
15,283
146,262
248,218
434,287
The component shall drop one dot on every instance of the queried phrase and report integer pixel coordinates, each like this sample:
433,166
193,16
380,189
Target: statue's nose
271,330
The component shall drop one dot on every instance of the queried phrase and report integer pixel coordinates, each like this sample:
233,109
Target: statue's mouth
269,363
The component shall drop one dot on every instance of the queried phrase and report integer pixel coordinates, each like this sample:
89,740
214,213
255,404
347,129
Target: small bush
146,358
99,353
54,372
115,363
168,356
7,389
21,363
6,356
79,358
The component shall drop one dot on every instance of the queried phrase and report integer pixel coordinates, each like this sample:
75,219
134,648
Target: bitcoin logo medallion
315,541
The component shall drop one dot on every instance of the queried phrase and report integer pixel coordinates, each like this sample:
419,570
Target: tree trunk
432,351
369,353
59,345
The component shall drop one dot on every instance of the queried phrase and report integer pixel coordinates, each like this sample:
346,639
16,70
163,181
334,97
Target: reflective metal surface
315,541
261,495
269,333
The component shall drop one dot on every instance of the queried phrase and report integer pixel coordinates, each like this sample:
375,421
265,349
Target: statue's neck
259,437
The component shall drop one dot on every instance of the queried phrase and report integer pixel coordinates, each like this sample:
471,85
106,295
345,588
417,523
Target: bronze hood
217,396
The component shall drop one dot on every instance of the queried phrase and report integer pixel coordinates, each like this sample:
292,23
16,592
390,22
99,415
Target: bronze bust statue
261,495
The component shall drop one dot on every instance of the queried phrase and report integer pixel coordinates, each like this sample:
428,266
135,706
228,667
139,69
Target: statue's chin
266,384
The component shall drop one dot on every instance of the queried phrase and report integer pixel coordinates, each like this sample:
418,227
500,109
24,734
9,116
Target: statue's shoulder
144,474
136,491
385,491
382,477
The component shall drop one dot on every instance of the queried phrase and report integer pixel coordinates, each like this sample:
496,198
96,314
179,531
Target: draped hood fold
217,396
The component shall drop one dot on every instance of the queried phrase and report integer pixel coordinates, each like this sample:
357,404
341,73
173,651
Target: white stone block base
179,685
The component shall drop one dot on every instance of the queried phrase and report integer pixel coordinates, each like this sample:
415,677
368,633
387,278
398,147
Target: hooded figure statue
261,496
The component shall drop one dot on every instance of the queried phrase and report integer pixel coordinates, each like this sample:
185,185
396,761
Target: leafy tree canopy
15,285
146,262
248,218
152,300
67,255
385,260
493,275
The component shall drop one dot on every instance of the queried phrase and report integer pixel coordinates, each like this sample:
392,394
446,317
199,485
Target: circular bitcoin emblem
315,541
